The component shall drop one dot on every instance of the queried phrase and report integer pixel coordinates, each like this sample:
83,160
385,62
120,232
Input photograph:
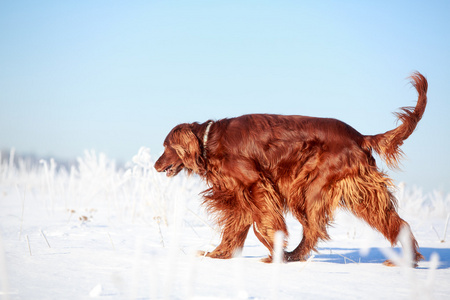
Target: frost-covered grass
92,230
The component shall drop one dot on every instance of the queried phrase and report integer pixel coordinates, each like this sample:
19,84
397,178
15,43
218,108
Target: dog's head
181,150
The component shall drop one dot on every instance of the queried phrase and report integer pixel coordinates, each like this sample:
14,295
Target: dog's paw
267,260
390,263
214,254
201,253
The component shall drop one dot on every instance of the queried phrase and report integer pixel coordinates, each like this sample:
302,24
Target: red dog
260,166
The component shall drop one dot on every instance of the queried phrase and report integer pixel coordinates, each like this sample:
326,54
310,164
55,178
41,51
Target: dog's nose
158,166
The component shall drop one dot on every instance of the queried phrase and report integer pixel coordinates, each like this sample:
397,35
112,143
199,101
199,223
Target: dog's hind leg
367,195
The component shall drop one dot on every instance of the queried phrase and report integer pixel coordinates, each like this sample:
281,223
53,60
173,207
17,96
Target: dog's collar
205,138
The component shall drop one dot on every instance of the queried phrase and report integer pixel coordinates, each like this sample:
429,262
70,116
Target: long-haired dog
261,166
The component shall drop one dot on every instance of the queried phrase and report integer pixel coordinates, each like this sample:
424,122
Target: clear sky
117,75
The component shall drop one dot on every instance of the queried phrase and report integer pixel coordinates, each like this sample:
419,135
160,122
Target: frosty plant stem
445,230
45,239
277,261
23,209
346,258
47,177
198,217
431,278
310,259
29,247
112,243
158,221
239,275
4,288
11,161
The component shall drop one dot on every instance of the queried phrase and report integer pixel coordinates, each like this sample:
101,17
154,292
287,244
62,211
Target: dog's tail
387,144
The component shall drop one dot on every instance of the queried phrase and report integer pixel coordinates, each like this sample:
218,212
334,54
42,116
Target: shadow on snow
372,256
375,255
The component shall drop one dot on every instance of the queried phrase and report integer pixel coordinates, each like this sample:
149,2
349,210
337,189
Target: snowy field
92,231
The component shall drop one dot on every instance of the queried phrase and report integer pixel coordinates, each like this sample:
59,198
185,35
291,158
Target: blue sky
117,75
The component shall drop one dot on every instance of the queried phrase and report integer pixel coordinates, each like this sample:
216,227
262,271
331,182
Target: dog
260,166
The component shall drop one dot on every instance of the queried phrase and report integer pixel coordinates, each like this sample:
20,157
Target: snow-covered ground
92,231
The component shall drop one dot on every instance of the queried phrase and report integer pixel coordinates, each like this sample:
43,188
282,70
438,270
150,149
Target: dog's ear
187,146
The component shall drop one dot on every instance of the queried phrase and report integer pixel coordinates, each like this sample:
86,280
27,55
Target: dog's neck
205,138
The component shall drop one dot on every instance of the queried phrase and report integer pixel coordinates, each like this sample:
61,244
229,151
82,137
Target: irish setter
260,166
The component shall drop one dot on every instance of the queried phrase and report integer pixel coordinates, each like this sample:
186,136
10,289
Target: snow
95,232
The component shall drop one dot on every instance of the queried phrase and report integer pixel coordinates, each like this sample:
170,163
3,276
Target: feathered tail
387,144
